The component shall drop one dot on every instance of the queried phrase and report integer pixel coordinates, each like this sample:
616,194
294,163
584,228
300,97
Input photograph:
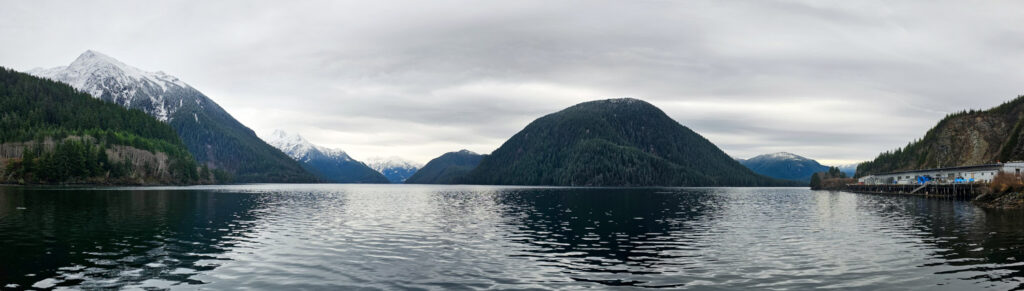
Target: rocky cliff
960,139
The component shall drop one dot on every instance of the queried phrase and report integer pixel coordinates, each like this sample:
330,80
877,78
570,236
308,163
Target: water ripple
474,237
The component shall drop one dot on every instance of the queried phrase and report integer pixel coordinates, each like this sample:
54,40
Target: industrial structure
951,175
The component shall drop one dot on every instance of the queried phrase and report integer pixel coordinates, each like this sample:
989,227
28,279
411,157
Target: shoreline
1008,200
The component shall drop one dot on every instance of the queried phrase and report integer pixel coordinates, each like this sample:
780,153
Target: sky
836,81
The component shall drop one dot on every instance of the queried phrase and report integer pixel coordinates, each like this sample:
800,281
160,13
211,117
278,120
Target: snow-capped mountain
300,149
396,169
212,135
103,77
783,165
331,165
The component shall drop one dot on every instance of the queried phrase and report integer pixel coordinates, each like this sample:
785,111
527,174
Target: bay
395,237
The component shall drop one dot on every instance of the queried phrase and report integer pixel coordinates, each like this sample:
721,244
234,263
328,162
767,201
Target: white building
978,173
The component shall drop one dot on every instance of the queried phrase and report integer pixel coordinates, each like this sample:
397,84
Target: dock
966,191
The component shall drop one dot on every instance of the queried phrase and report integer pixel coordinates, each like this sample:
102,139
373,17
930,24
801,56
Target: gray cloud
836,81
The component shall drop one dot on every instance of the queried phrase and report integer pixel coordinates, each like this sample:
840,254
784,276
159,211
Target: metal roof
974,167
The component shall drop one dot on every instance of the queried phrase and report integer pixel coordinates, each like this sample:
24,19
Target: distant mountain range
330,165
614,142
960,139
784,166
211,135
449,168
396,169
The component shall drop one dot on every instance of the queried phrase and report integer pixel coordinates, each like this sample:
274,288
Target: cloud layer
837,82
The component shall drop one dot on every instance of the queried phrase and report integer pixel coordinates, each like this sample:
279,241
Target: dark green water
278,237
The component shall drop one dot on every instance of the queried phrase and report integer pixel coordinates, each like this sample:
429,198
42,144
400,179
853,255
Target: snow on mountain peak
95,64
291,144
92,58
297,147
380,164
107,78
284,137
785,156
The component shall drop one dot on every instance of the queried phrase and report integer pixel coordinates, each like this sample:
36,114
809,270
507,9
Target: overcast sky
836,82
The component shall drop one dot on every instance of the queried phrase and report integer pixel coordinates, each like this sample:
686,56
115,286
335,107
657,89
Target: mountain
51,133
449,168
396,169
327,164
615,142
784,166
960,139
211,135
849,169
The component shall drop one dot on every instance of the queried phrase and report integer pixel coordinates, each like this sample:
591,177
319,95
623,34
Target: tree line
36,110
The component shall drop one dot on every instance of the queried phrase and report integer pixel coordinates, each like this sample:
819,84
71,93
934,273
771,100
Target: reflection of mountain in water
398,237
622,237
110,239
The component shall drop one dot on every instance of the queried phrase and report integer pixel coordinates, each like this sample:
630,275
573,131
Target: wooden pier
966,191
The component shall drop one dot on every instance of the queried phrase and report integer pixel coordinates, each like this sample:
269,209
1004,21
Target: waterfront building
965,174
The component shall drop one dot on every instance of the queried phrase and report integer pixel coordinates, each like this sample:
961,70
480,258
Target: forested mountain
396,169
960,139
615,142
784,166
52,133
449,168
330,165
211,135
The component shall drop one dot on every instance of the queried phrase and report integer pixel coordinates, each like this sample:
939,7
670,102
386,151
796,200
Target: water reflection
277,237
970,243
635,237
110,239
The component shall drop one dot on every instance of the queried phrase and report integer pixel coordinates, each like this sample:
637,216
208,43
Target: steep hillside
212,135
449,168
330,165
52,133
784,166
615,142
960,139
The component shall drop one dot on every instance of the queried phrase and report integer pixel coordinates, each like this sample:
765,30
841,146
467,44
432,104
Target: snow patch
780,156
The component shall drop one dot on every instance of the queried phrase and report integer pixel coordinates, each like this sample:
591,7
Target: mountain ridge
784,165
612,142
333,165
396,169
449,168
960,139
214,137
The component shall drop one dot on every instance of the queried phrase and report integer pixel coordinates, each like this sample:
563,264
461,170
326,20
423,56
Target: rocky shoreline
1010,200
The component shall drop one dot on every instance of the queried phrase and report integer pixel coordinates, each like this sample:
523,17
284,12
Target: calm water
461,237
